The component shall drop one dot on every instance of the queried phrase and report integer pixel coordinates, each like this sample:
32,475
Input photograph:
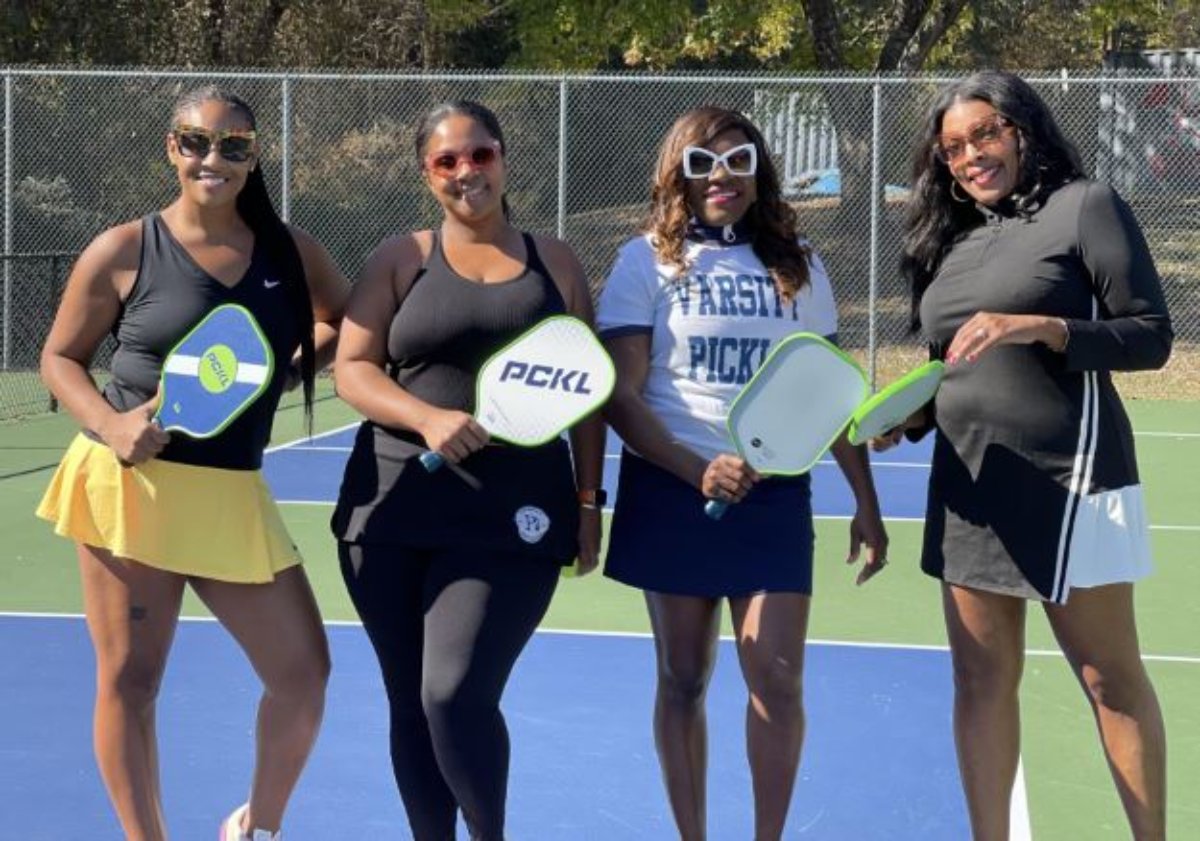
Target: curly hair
772,220
934,219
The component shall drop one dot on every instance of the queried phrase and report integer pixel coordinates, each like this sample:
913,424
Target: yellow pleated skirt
197,521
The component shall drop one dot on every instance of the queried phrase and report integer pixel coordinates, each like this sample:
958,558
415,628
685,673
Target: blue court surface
878,761
311,471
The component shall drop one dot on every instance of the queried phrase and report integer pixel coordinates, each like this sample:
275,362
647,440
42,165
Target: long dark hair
772,220
934,219
478,112
271,233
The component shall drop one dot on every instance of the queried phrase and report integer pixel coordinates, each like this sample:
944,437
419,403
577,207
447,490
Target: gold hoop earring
959,196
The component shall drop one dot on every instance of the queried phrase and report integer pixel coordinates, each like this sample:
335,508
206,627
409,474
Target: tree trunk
930,31
214,27
850,106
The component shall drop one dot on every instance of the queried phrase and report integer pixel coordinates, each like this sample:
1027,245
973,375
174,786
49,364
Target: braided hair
271,233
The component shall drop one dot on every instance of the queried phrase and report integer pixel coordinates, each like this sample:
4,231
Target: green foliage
659,35
572,35
257,33
1075,34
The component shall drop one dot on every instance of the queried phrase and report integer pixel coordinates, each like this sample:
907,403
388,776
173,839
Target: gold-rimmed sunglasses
235,145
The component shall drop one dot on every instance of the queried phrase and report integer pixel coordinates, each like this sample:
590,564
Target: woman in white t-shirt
690,310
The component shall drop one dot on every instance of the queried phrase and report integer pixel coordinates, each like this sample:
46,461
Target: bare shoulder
404,249
398,258
385,280
117,249
310,247
567,273
557,255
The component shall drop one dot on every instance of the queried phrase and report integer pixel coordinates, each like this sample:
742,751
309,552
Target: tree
912,29
258,33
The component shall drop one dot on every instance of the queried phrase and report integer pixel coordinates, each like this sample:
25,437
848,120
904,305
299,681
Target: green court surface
1070,794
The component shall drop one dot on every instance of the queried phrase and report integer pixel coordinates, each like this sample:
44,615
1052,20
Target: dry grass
1179,380
1175,244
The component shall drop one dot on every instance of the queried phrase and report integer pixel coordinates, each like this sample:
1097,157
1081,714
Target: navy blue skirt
661,539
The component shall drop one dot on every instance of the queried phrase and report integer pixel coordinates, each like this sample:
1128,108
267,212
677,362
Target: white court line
1020,829
921,465
1019,826
330,503
837,517
299,441
1166,434
828,462
894,646
921,520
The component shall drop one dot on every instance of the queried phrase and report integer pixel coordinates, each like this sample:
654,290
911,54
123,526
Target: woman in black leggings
451,571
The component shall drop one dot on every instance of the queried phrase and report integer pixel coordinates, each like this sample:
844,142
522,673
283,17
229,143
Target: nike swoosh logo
271,284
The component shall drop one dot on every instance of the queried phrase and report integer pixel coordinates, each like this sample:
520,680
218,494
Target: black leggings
447,628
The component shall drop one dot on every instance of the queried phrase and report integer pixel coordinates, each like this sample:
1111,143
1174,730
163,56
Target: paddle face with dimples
215,373
794,408
543,382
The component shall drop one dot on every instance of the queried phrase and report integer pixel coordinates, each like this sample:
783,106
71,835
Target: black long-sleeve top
1025,432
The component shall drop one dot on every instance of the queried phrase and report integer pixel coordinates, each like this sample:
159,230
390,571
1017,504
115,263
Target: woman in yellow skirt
150,512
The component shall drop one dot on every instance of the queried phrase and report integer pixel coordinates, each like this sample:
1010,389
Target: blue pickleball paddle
215,373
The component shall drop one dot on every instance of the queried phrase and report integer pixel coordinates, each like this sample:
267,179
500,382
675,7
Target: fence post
8,226
285,133
53,287
876,191
562,157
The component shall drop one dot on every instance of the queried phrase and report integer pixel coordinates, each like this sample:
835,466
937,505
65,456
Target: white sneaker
231,828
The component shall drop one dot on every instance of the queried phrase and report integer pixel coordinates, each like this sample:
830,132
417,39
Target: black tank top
448,326
170,294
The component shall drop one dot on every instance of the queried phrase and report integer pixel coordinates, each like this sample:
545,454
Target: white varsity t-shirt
710,329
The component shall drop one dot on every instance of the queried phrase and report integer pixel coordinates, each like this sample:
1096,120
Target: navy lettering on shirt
744,295
749,297
725,359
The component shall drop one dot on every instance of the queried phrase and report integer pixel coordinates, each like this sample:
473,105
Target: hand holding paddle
791,411
214,373
728,478
133,436
452,435
799,401
884,442
208,379
883,418
542,383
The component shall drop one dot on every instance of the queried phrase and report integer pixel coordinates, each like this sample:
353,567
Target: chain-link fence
84,150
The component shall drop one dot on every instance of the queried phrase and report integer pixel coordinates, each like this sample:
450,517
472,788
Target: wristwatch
595,498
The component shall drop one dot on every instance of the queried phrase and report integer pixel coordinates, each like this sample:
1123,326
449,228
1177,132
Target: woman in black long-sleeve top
1033,283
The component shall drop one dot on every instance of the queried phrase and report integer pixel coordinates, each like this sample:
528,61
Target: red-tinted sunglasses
447,163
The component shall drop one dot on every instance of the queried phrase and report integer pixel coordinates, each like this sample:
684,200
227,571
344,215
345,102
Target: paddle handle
432,462
715,508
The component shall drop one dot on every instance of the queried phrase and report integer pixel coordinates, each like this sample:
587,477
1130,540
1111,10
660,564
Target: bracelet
1066,335
593,498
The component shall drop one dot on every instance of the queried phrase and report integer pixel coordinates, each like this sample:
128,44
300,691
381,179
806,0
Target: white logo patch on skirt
532,523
